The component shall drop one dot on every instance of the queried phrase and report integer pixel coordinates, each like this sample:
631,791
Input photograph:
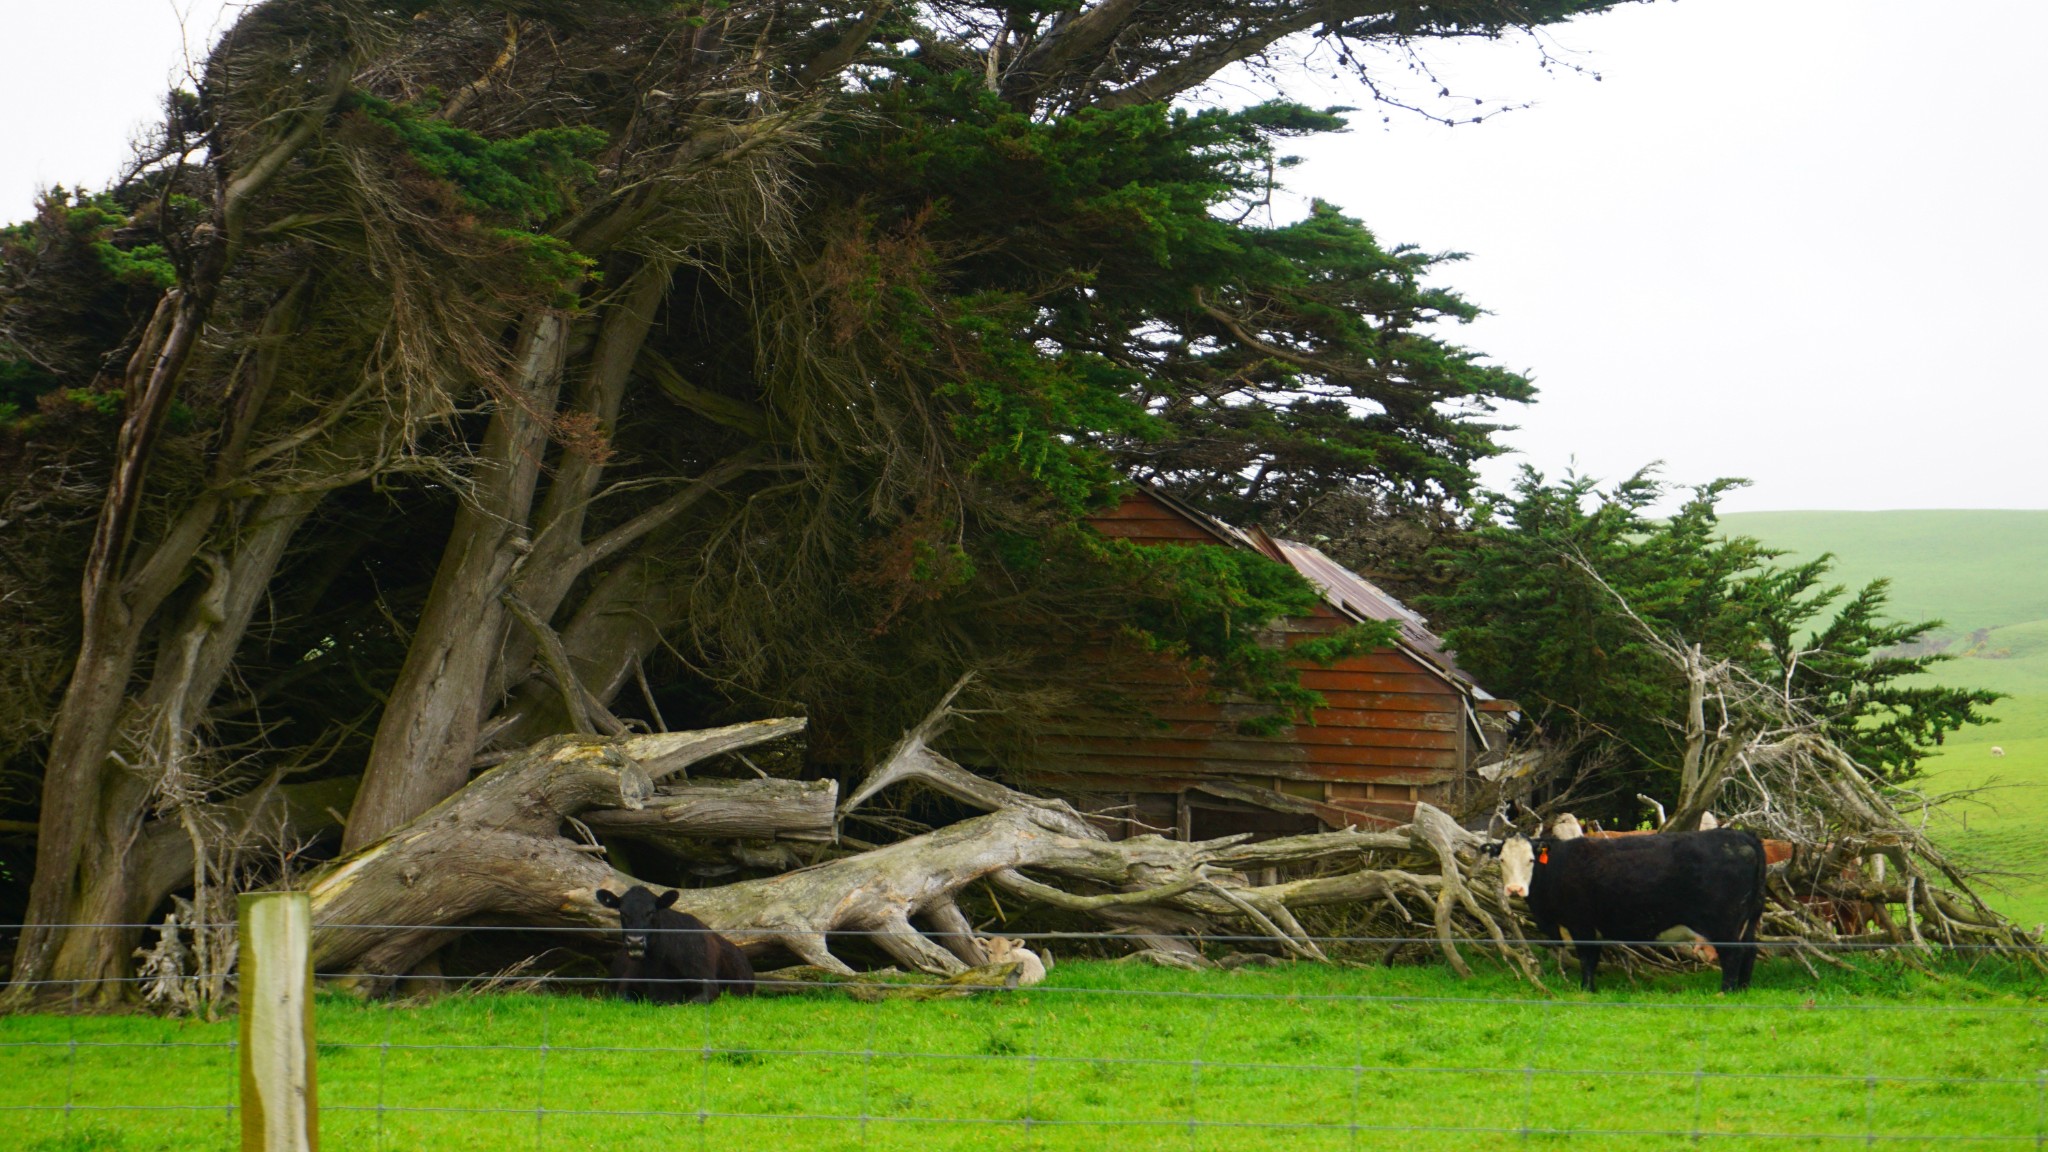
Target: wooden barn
1399,724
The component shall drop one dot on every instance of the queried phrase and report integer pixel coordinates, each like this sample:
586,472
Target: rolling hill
1985,574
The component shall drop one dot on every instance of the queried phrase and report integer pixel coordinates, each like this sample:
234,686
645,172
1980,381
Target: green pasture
1972,568
1104,1056
1975,570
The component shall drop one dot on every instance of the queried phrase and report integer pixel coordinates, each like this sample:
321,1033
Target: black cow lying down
1636,888
669,956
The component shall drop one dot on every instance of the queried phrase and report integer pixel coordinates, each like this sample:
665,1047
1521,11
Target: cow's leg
1549,934
671,987
1749,952
623,985
703,964
1589,962
1737,945
1732,956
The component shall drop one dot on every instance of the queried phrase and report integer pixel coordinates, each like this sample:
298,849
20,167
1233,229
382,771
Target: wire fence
1101,1055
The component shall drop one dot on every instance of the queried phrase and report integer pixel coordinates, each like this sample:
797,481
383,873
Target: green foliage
1211,606
527,178
1271,365
96,401
74,281
1357,640
1029,415
94,222
547,264
1527,618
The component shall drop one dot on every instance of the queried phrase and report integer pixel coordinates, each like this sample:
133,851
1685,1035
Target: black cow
733,973
1636,888
670,956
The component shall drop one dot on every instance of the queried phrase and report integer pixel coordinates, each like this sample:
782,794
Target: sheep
1030,969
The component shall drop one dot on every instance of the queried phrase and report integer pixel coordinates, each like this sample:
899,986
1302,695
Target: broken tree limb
556,658
912,759
769,809
1022,885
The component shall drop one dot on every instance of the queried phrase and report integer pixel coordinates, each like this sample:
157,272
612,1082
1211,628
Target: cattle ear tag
1543,857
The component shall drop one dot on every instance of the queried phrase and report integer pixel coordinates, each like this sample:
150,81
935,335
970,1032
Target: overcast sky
1801,241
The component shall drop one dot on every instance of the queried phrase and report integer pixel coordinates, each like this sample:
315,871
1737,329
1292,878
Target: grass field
1975,570
1105,1056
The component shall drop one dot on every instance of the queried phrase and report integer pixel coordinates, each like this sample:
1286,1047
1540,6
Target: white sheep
1030,969
1997,751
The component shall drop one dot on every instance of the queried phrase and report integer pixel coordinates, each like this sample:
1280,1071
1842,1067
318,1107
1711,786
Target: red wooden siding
1393,729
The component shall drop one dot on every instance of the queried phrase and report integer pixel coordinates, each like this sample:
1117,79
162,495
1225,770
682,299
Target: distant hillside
1985,573
1975,569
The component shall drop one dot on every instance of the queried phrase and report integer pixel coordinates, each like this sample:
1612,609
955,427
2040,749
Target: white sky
1801,241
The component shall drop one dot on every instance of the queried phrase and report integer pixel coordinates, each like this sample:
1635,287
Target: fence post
280,1112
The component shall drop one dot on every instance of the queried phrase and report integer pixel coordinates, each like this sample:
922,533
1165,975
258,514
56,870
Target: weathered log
768,809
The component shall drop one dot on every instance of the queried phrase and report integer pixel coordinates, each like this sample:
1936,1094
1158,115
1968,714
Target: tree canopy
443,376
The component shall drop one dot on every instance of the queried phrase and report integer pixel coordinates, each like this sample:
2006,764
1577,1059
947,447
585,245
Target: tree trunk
119,600
159,741
554,564
618,624
428,732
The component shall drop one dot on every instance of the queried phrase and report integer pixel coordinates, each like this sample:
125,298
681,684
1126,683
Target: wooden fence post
280,1112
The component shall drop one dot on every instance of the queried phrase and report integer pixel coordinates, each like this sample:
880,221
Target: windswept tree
1603,620
444,376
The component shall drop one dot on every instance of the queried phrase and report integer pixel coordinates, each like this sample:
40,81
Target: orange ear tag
1543,857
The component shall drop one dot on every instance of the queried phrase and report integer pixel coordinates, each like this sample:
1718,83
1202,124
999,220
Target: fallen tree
520,843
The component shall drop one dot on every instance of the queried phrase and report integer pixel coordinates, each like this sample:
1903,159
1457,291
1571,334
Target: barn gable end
1399,724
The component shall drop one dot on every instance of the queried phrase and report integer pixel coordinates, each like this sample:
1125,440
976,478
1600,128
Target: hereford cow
669,956
1637,888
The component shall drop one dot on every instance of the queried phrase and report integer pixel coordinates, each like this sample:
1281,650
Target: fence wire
544,1064
1762,943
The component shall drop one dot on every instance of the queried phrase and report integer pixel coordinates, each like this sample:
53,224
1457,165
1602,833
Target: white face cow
1517,865
1566,827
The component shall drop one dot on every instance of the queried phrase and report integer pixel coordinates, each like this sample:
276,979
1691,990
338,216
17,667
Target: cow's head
1566,827
636,914
1517,863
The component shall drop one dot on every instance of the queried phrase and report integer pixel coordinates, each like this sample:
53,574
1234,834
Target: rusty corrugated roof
1345,590
1362,600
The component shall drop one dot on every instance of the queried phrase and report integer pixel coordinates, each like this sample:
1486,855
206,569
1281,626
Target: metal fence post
280,1112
